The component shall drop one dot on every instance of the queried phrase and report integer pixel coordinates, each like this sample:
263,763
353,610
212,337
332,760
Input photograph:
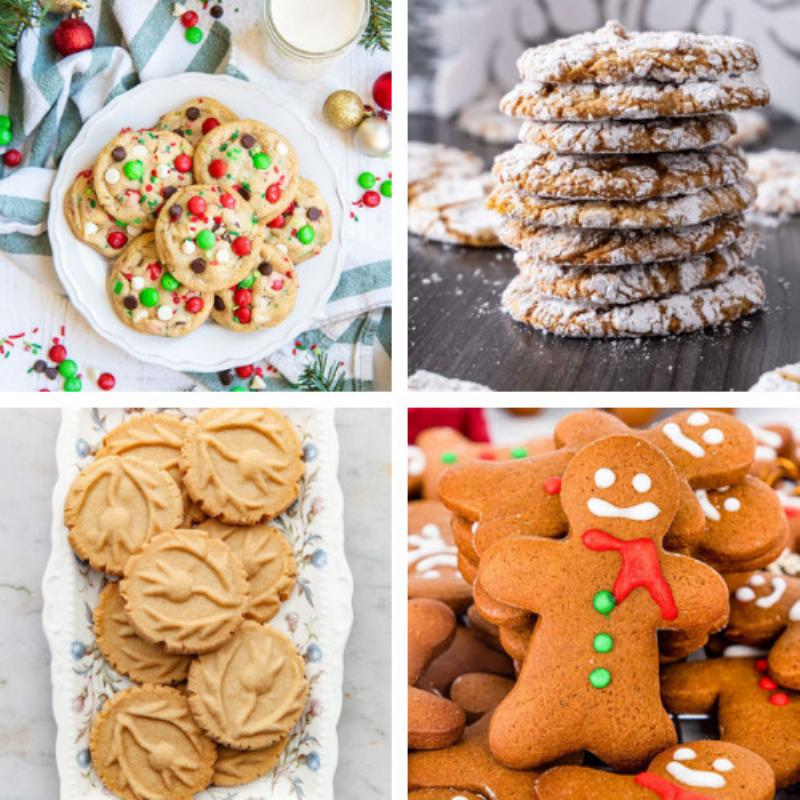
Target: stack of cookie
623,201
221,689
206,215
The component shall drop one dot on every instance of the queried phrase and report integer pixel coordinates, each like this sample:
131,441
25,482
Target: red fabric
641,567
468,421
665,789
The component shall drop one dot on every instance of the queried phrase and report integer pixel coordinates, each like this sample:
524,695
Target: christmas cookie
618,136
479,692
777,173
138,171
115,506
148,298
186,591
238,767
611,55
249,693
267,559
209,238
91,223
195,118
303,227
126,651
752,127
428,161
252,160
737,295
262,299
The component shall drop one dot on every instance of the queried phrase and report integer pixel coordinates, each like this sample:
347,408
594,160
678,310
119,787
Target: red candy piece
552,485
779,699
183,163
210,124
117,240
487,455
278,222
371,199
246,371
274,193
106,381
227,200
767,684
243,315
197,205
242,297
241,246
12,158
194,305
792,512
57,353
189,19
277,285
216,169
762,665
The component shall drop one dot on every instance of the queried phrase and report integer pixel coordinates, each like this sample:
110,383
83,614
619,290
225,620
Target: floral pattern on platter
96,681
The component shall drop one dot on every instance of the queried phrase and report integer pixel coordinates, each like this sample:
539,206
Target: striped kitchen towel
48,98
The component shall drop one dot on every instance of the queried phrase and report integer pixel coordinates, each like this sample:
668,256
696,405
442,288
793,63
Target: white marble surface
27,729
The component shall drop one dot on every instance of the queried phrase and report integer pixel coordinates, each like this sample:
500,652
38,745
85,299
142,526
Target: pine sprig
15,15
319,376
378,34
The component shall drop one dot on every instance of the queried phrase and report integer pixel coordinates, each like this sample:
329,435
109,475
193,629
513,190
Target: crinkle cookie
777,173
237,767
262,299
115,506
427,161
303,228
737,295
252,159
243,466
618,136
249,693
634,100
137,172
635,176
149,299
612,54
146,745
658,212
208,237
195,118
91,223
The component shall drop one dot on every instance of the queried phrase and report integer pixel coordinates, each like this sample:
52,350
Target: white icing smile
708,508
641,512
744,594
696,777
428,550
674,433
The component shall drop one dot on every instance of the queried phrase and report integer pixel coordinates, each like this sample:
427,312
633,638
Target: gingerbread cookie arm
700,594
582,427
585,783
693,688
433,722
784,657
431,630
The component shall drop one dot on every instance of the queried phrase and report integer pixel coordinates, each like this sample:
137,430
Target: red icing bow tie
665,789
641,568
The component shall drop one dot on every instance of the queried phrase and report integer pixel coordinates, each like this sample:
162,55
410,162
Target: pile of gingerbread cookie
623,200
568,596
174,512
205,215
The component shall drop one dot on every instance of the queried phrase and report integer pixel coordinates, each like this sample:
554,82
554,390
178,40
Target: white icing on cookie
778,588
684,754
695,777
604,478
764,453
744,594
428,550
708,508
697,419
641,512
713,436
742,651
723,764
416,461
674,433
642,483
732,504
794,612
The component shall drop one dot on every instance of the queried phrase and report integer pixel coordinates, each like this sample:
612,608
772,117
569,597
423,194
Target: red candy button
189,19
183,163
274,193
792,512
779,699
197,205
371,199
552,486
767,684
278,222
761,665
106,381
117,240
277,285
241,246
487,455
246,371
57,353
227,200
243,315
12,158
216,169
242,297
194,305
210,124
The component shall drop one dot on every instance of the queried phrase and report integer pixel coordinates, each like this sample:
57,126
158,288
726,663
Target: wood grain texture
456,327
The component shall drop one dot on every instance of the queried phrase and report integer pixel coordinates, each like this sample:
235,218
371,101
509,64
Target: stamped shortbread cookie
669,212
587,247
777,173
619,136
739,294
635,100
618,177
237,767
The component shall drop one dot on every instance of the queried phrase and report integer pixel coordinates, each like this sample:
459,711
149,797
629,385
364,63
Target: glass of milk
307,36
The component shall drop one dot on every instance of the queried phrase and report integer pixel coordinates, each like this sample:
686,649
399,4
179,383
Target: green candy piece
149,297
169,282
205,240
261,160
5,137
247,282
366,180
386,188
239,389
5,122
600,678
73,384
604,602
133,170
194,35
603,643
448,458
519,452
118,287
67,368
306,234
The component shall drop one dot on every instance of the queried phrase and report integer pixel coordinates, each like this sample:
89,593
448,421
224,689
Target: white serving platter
318,617
83,271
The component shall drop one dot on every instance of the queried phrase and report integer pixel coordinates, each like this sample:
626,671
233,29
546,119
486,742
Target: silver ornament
374,137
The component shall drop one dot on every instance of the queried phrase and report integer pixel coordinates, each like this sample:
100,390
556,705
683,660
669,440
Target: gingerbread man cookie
479,692
591,681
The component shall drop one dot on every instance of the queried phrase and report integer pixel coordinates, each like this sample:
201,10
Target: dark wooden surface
456,327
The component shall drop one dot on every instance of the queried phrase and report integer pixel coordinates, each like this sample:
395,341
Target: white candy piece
90,228
139,151
283,248
163,170
165,313
133,232
223,255
112,176
282,149
139,315
257,384
188,247
137,282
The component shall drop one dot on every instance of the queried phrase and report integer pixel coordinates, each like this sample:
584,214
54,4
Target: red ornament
73,35
210,124
57,353
242,297
106,381
216,169
246,371
382,91
189,19
227,200
183,163
243,315
197,205
278,222
117,240
371,199
241,246
194,305
12,158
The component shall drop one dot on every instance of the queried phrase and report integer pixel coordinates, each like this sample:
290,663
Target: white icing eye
722,765
745,594
697,419
642,482
604,477
794,612
713,436
757,580
431,531
684,754
731,504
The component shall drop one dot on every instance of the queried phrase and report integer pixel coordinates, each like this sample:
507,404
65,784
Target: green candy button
194,35
448,458
5,122
603,643
604,602
133,170
261,160
386,188
73,384
305,235
366,180
169,282
205,240
118,287
600,678
67,368
149,297
5,137
519,452
239,389
247,282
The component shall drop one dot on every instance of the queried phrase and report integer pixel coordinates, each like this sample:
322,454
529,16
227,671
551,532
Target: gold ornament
374,137
63,6
344,110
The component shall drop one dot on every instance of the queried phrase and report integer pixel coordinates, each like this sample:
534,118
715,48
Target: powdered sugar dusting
777,173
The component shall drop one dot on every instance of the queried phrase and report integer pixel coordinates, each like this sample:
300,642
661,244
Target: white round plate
83,271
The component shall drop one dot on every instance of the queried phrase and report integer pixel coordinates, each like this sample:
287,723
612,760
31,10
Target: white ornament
257,384
374,137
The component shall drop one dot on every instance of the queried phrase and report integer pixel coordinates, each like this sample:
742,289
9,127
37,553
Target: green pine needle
319,376
378,34
15,15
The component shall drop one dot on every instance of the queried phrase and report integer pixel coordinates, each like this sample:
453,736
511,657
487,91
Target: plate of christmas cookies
196,222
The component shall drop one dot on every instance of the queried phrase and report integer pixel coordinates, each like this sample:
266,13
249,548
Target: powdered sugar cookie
303,228
619,136
481,119
195,118
782,379
427,161
737,295
618,177
752,127
777,173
